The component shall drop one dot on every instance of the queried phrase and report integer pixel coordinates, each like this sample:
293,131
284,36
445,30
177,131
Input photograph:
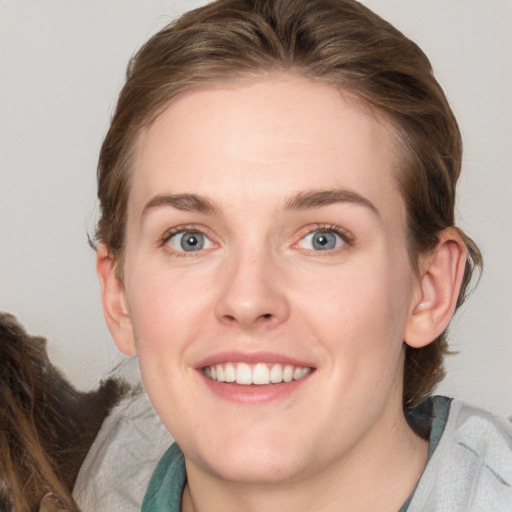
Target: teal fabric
436,413
168,481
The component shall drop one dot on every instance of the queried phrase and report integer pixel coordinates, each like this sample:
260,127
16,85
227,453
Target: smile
259,374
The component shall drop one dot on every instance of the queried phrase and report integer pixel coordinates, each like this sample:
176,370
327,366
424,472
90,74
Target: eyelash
181,229
346,236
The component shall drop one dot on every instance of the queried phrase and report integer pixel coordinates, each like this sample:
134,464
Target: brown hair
46,425
339,42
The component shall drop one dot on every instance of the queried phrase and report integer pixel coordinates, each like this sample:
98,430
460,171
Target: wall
62,65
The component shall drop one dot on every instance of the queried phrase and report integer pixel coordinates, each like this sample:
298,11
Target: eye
321,240
189,241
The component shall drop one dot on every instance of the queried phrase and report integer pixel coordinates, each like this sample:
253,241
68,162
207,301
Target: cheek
167,307
358,312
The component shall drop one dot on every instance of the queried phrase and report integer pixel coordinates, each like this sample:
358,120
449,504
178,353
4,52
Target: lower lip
254,394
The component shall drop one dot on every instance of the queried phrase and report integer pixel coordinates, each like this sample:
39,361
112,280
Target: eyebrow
306,200
311,199
184,202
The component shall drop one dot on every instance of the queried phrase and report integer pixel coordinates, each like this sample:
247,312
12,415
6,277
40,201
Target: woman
277,246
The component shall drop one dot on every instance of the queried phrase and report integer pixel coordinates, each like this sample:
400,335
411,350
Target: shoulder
481,431
117,469
471,467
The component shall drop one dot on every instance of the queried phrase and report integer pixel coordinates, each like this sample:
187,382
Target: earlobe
113,298
439,282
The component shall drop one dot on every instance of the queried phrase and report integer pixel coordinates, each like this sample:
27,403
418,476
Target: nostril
267,315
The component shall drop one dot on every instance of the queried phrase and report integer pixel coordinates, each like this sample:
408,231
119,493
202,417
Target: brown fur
46,425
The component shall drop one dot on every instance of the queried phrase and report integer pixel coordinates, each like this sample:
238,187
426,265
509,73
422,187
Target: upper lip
251,358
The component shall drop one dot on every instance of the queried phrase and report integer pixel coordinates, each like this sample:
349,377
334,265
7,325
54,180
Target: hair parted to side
339,42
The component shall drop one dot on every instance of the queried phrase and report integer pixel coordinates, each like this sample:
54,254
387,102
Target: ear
440,278
113,298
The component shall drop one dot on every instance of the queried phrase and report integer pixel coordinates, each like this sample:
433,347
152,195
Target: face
266,277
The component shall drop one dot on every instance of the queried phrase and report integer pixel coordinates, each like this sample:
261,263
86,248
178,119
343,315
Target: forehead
269,137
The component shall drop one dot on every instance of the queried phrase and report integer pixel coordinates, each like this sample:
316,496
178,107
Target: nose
252,292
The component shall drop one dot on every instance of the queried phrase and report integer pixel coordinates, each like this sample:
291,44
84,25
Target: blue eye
189,241
321,240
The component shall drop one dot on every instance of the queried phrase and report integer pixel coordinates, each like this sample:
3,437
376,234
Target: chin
253,459
256,469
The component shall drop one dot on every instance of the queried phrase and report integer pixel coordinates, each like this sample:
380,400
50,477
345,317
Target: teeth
261,374
258,374
230,372
287,374
298,373
243,374
220,373
276,374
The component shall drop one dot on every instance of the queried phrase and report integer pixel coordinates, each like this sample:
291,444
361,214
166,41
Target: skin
250,153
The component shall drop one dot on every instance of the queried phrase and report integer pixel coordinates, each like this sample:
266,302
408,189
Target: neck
380,472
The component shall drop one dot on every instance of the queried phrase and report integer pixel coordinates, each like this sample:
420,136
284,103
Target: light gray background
62,64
